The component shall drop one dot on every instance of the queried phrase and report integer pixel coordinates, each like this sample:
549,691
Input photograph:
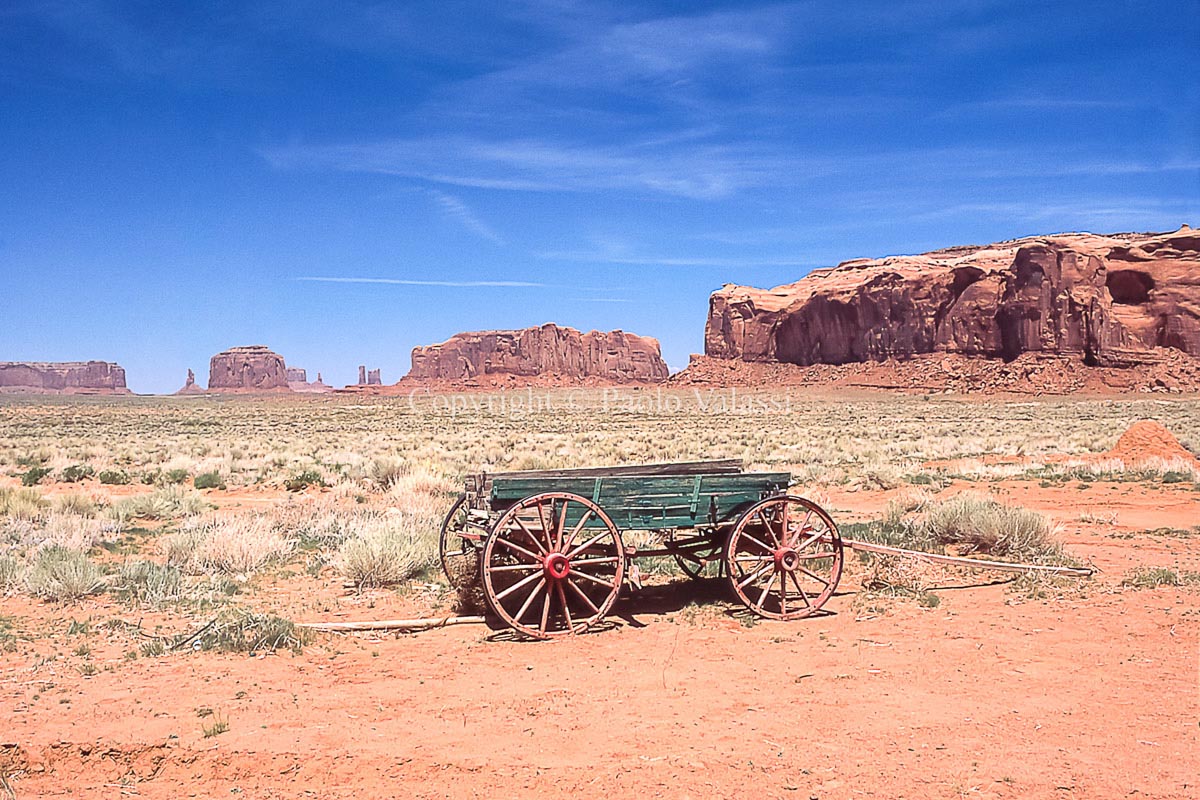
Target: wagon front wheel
552,565
784,558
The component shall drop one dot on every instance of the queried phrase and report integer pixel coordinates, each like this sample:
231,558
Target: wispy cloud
407,282
698,171
460,212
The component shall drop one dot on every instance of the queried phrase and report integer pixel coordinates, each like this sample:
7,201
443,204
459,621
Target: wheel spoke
801,528
593,579
587,512
562,523
599,560
809,540
519,549
529,601
762,596
523,582
783,592
813,575
766,547
529,533
545,613
562,598
541,507
766,524
758,559
583,596
800,589
588,543
755,575
515,567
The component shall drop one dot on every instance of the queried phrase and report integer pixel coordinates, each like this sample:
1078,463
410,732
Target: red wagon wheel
553,565
784,557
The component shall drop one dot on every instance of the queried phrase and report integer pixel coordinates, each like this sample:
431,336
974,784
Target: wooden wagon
552,559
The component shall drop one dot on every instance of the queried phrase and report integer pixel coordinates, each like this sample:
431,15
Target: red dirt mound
1148,439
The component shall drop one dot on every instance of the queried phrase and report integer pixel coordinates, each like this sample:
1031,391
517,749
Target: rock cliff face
1113,300
247,369
549,350
62,377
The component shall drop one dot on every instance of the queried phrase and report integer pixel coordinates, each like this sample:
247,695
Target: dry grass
236,544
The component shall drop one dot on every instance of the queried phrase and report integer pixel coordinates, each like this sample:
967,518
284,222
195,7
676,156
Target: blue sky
178,178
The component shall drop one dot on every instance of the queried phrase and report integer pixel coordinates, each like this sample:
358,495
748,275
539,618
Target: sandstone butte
1116,300
255,368
63,377
548,352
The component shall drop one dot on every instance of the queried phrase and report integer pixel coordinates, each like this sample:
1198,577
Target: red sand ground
1091,695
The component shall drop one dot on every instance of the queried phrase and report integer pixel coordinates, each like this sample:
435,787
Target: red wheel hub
786,559
557,566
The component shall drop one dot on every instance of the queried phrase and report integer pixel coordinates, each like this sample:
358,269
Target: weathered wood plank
719,467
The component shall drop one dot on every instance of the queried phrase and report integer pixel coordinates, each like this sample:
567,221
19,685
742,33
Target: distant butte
62,377
549,354
254,368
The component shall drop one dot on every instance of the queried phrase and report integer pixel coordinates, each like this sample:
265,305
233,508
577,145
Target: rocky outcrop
62,377
373,378
550,350
247,369
1116,300
189,386
298,382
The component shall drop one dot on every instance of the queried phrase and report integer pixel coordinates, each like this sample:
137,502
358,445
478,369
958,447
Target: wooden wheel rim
784,558
546,578
451,544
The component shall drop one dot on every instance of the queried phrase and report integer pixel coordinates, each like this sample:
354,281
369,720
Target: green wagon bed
549,551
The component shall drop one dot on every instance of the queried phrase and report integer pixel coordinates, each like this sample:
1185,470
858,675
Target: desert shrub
69,532
34,475
385,472
12,574
175,476
209,480
388,549
1153,577
151,477
113,477
21,503
169,502
978,524
62,574
78,504
236,544
302,480
246,632
148,583
77,472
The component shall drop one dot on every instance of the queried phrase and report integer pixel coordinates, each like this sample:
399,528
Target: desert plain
159,554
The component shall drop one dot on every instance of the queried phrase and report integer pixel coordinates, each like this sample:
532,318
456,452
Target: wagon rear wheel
552,565
458,553
784,558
